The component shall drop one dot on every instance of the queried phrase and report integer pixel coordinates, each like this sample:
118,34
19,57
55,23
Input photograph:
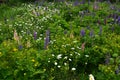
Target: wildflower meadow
60,40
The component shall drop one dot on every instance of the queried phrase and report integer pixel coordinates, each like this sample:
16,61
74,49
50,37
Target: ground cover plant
65,40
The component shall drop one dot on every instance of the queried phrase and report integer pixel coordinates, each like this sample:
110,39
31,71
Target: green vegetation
60,41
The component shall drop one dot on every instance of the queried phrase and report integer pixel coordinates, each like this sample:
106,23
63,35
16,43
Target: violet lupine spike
100,32
117,71
88,27
46,42
118,20
88,2
82,2
105,21
76,3
20,47
115,16
28,32
65,32
99,22
91,33
48,33
35,35
82,32
119,66
112,28
107,61
109,2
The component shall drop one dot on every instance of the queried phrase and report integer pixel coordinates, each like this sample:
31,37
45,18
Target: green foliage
81,42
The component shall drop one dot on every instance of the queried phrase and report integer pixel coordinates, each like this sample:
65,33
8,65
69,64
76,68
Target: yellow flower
44,69
36,64
33,60
0,53
15,49
4,43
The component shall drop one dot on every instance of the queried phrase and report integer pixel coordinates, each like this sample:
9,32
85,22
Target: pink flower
16,37
83,46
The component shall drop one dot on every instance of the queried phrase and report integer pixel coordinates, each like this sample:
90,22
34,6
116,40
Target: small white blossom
73,48
65,64
78,54
86,63
86,55
53,55
41,34
70,59
78,47
91,77
73,69
71,54
55,63
74,41
58,66
59,56
54,40
65,57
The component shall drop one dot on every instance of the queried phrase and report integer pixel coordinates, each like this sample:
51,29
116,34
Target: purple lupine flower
35,35
82,2
112,28
108,2
88,2
88,27
119,66
65,32
99,22
41,3
47,32
118,20
91,33
28,32
46,42
12,18
109,16
76,3
115,16
82,32
117,71
105,21
47,39
100,0
100,32
20,47
107,61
